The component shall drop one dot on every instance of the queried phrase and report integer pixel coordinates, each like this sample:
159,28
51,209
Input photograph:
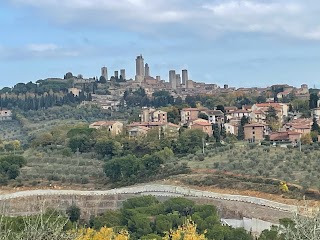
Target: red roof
204,124
254,125
268,105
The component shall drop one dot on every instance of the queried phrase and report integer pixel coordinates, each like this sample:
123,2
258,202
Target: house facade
114,127
215,116
137,131
204,125
190,114
153,115
254,132
231,128
5,115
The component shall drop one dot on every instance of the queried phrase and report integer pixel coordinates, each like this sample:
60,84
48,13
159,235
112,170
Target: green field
289,165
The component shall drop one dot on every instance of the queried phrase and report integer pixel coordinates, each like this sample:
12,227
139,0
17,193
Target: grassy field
12,130
289,165
55,169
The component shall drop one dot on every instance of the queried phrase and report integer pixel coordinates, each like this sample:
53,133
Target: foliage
313,102
189,141
102,234
306,139
272,119
74,213
9,167
188,231
284,187
50,225
263,162
244,121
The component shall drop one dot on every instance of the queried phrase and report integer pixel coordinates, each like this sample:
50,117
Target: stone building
254,132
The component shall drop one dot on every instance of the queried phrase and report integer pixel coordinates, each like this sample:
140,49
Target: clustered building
179,85
176,82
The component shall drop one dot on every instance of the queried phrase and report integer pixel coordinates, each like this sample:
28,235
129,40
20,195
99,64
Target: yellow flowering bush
187,231
103,234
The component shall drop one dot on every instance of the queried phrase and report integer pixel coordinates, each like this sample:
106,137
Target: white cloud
38,51
107,11
292,18
40,48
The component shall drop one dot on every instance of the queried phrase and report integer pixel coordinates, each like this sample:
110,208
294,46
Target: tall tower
172,79
146,70
139,68
123,73
116,74
185,78
104,72
178,78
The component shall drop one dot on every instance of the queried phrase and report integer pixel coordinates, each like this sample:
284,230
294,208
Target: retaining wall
95,202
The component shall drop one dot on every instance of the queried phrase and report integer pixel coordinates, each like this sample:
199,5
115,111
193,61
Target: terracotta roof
205,124
140,127
194,109
103,123
254,125
190,109
241,111
230,108
301,127
268,105
246,106
294,133
214,112
279,136
173,125
260,111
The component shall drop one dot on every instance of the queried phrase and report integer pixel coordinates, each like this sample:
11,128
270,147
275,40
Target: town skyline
217,41
143,71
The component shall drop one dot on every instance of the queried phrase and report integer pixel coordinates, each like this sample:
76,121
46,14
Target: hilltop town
279,113
106,132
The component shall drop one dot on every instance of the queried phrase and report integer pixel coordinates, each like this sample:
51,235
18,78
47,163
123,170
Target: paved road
156,190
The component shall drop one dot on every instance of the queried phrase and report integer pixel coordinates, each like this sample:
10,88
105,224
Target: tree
272,118
189,141
74,213
217,132
184,206
162,223
187,231
68,75
203,116
315,126
102,234
107,147
306,139
140,224
107,219
221,108
272,234
305,224
243,122
102,79
313,102
80,143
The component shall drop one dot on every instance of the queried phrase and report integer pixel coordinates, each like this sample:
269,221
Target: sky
242,43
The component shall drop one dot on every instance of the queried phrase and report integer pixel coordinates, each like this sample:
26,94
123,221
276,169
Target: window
252,128
253,133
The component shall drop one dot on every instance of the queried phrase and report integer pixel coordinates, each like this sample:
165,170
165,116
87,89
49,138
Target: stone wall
95,202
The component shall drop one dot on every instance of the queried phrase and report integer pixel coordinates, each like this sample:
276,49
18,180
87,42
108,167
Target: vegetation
262,162
147,218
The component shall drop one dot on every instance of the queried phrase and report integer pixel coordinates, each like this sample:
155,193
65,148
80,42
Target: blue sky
237,42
